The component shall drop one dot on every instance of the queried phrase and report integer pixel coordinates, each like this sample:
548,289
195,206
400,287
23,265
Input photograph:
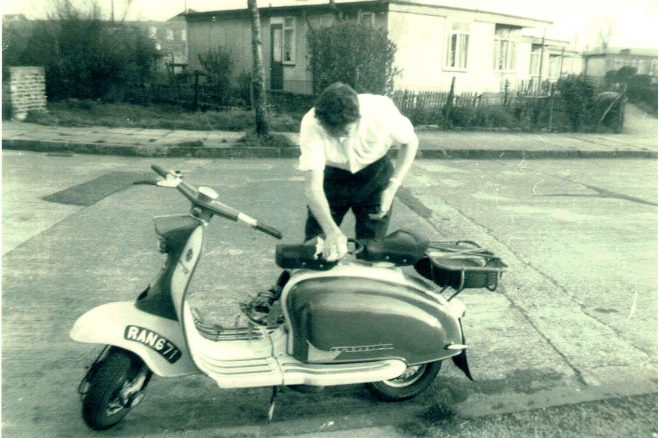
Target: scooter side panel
364,313
158,341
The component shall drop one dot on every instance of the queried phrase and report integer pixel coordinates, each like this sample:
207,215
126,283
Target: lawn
615,417
126,115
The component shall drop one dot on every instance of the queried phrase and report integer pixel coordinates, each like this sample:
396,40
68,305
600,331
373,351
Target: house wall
598,66
421,36
419,32
231,33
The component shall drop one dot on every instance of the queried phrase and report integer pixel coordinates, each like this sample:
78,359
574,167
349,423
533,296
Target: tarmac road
565,326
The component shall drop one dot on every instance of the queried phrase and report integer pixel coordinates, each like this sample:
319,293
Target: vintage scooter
354,321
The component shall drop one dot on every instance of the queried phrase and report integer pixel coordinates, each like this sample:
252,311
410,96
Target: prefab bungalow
482,50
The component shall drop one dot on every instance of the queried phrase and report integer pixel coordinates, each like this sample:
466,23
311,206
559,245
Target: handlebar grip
145,182
269,230
159,170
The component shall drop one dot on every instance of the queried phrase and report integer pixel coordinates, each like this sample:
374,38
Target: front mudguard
158,341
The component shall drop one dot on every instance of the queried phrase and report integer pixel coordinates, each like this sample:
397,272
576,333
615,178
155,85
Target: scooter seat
301,256
401,247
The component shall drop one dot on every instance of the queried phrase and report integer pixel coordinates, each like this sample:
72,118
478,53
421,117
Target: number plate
154,341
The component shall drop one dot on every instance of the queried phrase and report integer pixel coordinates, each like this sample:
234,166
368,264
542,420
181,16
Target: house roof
14,17
600,51
210,6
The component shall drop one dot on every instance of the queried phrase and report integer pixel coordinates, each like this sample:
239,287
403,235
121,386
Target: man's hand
335,246
388,194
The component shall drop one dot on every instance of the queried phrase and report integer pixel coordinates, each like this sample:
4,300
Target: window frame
535,66
363,14
450,33
509,37
286,30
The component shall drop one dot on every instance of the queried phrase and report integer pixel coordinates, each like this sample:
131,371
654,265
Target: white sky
634,22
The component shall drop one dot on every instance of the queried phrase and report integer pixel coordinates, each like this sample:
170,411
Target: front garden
112,75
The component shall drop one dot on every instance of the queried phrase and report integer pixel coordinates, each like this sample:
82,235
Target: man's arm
336,242
405,158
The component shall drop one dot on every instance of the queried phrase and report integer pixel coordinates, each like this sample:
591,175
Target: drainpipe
541,58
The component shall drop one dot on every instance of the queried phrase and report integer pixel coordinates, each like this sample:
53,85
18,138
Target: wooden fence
409,101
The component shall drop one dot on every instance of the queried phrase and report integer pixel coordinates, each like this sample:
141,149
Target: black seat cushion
301,256
401,247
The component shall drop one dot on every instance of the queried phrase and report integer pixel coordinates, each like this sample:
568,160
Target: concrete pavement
43,277
529,348
639,140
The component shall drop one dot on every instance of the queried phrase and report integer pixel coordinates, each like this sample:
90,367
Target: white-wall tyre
409,384
102,406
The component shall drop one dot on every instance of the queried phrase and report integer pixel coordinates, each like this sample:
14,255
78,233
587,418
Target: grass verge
81,113
618,417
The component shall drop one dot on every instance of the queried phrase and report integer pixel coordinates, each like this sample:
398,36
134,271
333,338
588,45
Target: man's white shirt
380,126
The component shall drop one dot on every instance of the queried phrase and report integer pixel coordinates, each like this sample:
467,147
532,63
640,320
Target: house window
367,18
554,66
457,46
505,48
170,34
288,40
327,20
153,32
535,59
183,35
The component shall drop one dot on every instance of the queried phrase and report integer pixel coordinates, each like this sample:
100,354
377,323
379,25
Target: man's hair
337,106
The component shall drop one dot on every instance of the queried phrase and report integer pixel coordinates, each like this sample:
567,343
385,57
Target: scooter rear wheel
103,405
408,385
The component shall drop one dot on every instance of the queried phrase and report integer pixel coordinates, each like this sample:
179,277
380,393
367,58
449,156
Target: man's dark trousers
362,192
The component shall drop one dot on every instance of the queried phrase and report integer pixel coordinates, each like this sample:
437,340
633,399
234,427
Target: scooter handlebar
159,170
269,230
228,212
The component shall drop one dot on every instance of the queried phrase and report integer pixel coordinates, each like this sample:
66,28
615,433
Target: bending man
344,141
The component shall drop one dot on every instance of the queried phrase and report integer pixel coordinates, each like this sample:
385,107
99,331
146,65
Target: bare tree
606,30
262,124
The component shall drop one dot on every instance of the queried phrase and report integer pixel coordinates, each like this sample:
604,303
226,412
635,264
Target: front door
276,57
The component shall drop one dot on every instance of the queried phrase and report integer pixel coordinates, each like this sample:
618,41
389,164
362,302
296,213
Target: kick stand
270,411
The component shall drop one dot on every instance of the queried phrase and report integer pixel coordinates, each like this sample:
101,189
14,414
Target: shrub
361,56
577,93
88,58
493,117
608,107
459,116
218,66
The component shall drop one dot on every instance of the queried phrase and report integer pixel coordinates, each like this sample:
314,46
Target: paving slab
638,141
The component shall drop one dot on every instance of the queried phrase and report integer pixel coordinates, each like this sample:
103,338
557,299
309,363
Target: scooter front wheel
409,384
111,388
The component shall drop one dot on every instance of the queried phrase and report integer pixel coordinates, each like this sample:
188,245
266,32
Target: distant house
482,50
550,60
14,18
599,61
170,39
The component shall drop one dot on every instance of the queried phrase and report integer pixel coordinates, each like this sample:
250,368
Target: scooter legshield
158,341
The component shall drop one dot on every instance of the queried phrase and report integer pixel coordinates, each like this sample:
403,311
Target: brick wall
27,88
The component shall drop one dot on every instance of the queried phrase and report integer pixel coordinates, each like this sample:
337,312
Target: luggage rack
460,265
